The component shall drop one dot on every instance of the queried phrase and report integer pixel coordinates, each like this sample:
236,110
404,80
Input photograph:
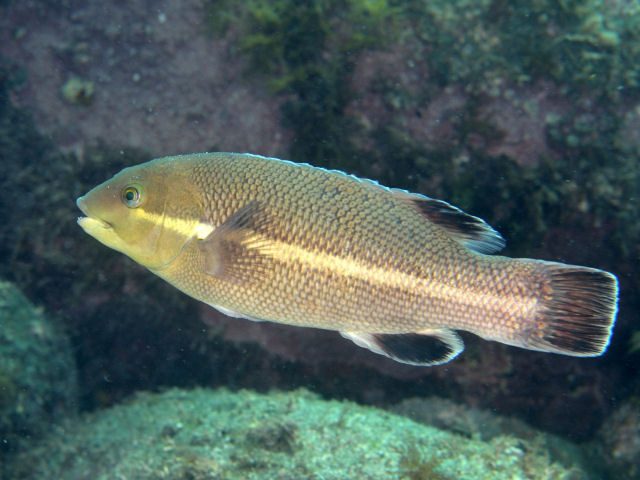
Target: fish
398,273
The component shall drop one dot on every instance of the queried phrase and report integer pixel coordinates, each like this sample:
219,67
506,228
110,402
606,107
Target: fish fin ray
424,348
236,250
472,232
577,315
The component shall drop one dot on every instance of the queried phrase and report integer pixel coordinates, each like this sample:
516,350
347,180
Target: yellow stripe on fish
178,225
397,273
284,252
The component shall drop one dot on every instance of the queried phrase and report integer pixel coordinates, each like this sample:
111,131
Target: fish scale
395,272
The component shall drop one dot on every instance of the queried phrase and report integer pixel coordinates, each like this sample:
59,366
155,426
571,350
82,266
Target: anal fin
425,348
235,314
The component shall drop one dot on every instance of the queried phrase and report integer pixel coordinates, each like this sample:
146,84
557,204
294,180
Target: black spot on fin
472,232
429,347
578,307
237,250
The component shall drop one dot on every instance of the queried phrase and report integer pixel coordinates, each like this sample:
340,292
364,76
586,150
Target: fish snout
81,203
89,222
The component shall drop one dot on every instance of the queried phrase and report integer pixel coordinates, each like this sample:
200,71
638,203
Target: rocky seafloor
207,434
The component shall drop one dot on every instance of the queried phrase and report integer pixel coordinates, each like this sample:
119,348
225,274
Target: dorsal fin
472,232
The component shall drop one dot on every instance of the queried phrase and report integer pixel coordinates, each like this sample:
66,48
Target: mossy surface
204,434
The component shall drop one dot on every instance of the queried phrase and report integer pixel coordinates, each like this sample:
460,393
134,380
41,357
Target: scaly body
396,272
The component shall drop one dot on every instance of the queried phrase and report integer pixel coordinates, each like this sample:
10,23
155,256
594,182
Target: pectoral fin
429,347
237,250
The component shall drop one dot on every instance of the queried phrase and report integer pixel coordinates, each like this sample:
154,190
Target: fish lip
82,205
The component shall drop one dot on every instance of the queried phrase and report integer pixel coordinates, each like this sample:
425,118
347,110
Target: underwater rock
37,370
462,419
171,87
620,441
209,434
483,424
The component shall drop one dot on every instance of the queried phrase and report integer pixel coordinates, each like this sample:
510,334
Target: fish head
149,212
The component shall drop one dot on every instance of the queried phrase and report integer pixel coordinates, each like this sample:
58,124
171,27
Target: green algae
414,465
584,45
306,49
204,434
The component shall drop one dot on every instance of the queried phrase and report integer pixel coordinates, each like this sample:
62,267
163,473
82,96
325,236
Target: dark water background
526,114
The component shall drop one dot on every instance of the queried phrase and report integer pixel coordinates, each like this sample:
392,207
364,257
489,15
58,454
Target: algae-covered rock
205,434
37,370
619,441
486,425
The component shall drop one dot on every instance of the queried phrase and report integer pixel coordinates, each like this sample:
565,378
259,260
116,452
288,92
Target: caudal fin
578,310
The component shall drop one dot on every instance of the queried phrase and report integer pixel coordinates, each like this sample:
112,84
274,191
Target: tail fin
577,312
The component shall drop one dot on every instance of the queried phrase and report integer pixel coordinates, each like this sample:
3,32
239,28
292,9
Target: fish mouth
90,221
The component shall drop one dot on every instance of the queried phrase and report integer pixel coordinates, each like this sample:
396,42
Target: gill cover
148,212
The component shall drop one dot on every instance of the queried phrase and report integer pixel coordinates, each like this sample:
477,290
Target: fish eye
131,196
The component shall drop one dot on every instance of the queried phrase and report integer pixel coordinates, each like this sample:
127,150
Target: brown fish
395,272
